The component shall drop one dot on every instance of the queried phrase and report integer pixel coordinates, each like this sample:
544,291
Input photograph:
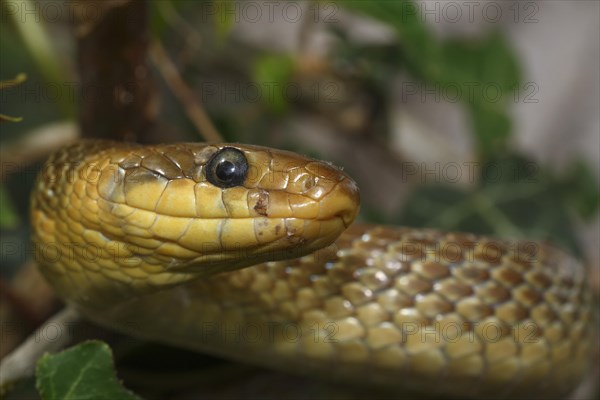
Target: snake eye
228,167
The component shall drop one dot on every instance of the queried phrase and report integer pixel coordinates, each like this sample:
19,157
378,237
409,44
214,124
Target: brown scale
403,307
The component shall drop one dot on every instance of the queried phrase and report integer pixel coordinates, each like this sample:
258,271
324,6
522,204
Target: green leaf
224,21
581,190
272,73
487,74
82,372
163,14
8,216
492,128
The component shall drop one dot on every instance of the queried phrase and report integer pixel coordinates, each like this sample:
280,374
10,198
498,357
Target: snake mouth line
346,215
292,236
296,236
284,247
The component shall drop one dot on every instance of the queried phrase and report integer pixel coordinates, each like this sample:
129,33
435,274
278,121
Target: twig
19,304
191,37
184,94
16,81
35,146
120,101
20,363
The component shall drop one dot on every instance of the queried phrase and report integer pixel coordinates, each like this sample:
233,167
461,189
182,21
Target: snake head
157,215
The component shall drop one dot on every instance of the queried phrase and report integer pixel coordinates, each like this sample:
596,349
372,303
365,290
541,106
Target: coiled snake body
154,241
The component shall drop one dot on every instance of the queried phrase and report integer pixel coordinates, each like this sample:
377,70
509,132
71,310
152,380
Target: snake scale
242,251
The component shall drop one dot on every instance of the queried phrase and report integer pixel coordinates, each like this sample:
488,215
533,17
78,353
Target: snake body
142,240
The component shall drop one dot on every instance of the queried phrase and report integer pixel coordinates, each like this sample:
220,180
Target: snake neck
84,265
91,278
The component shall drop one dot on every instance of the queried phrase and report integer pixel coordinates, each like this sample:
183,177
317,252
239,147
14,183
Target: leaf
163,14
581,190
82,372
8,216
492,129
487,73
224,21
272,74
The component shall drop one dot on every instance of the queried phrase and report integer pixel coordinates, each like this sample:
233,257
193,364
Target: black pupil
227,168
225,171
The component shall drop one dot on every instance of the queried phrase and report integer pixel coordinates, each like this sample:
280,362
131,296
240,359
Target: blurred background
478,116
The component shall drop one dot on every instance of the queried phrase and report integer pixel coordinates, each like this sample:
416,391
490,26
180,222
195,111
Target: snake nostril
309,182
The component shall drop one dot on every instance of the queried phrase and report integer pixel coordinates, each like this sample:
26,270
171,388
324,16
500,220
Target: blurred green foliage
483,73
520,202
8,217
272,72
36,39
513,198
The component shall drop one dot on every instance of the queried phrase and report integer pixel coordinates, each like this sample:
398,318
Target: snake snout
337,194
342,202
